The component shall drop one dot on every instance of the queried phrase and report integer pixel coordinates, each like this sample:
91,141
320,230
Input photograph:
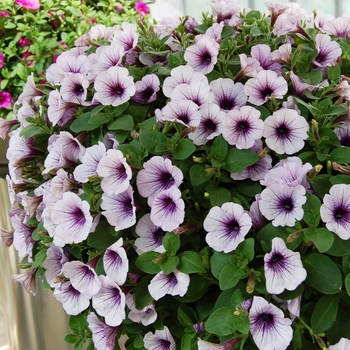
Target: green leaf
347,283
149,262
221,322
186,315
321,268
217,262
312,210
312,78
102,237
246,248
125,122
340,179
198,175
171,243
322,238
340,328
142,297
100,119
218,150
168,263
82,123
336,110
189,341
39,258
242,324
229,276
218,195
238,159
138,342
321,184
78,323
184,149
339,247
341,155
190,262
324,314
71,338
334,73
32,131
151,139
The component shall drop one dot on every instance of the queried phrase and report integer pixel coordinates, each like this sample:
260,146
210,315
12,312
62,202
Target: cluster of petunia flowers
96,72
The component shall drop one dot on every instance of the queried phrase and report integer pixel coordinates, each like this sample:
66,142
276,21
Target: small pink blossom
141,8
2,59
29,4
24,42
5,99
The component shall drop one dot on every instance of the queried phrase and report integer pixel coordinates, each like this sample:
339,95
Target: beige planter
33,322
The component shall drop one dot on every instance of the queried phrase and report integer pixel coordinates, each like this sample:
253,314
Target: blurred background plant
33,34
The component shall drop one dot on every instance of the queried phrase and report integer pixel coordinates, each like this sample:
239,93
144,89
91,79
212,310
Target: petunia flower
243,127
150,236
285,131
335,210
181,75
262,53
184,112
283,204
103,335
289,171
210,126
268,326
175,283
228,345
115,171
202,55
283,268
342,130
73,301
263,86
114,86
27,280
227,11
328,51
74,88
158,174
168,209
116,263
227,94
72,218
89,162
161,339
197,92
55,259
146,89
109,302
107,57
226,226
119,209
82,277
126,36
343,344
141,8
146,316
338,27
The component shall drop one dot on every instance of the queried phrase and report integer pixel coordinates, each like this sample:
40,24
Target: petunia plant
187,185
33,33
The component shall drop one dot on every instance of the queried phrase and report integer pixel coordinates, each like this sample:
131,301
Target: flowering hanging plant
188,185
33,34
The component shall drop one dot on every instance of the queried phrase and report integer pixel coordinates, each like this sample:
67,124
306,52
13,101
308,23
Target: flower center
282,130
276,258
78,89
340,213
118,90
233,226
287,204
206,58
266,318
226,103
209,124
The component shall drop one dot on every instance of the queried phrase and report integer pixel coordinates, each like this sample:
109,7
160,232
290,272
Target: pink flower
23,42
2,59
4,14
28,4
5,99
141,8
